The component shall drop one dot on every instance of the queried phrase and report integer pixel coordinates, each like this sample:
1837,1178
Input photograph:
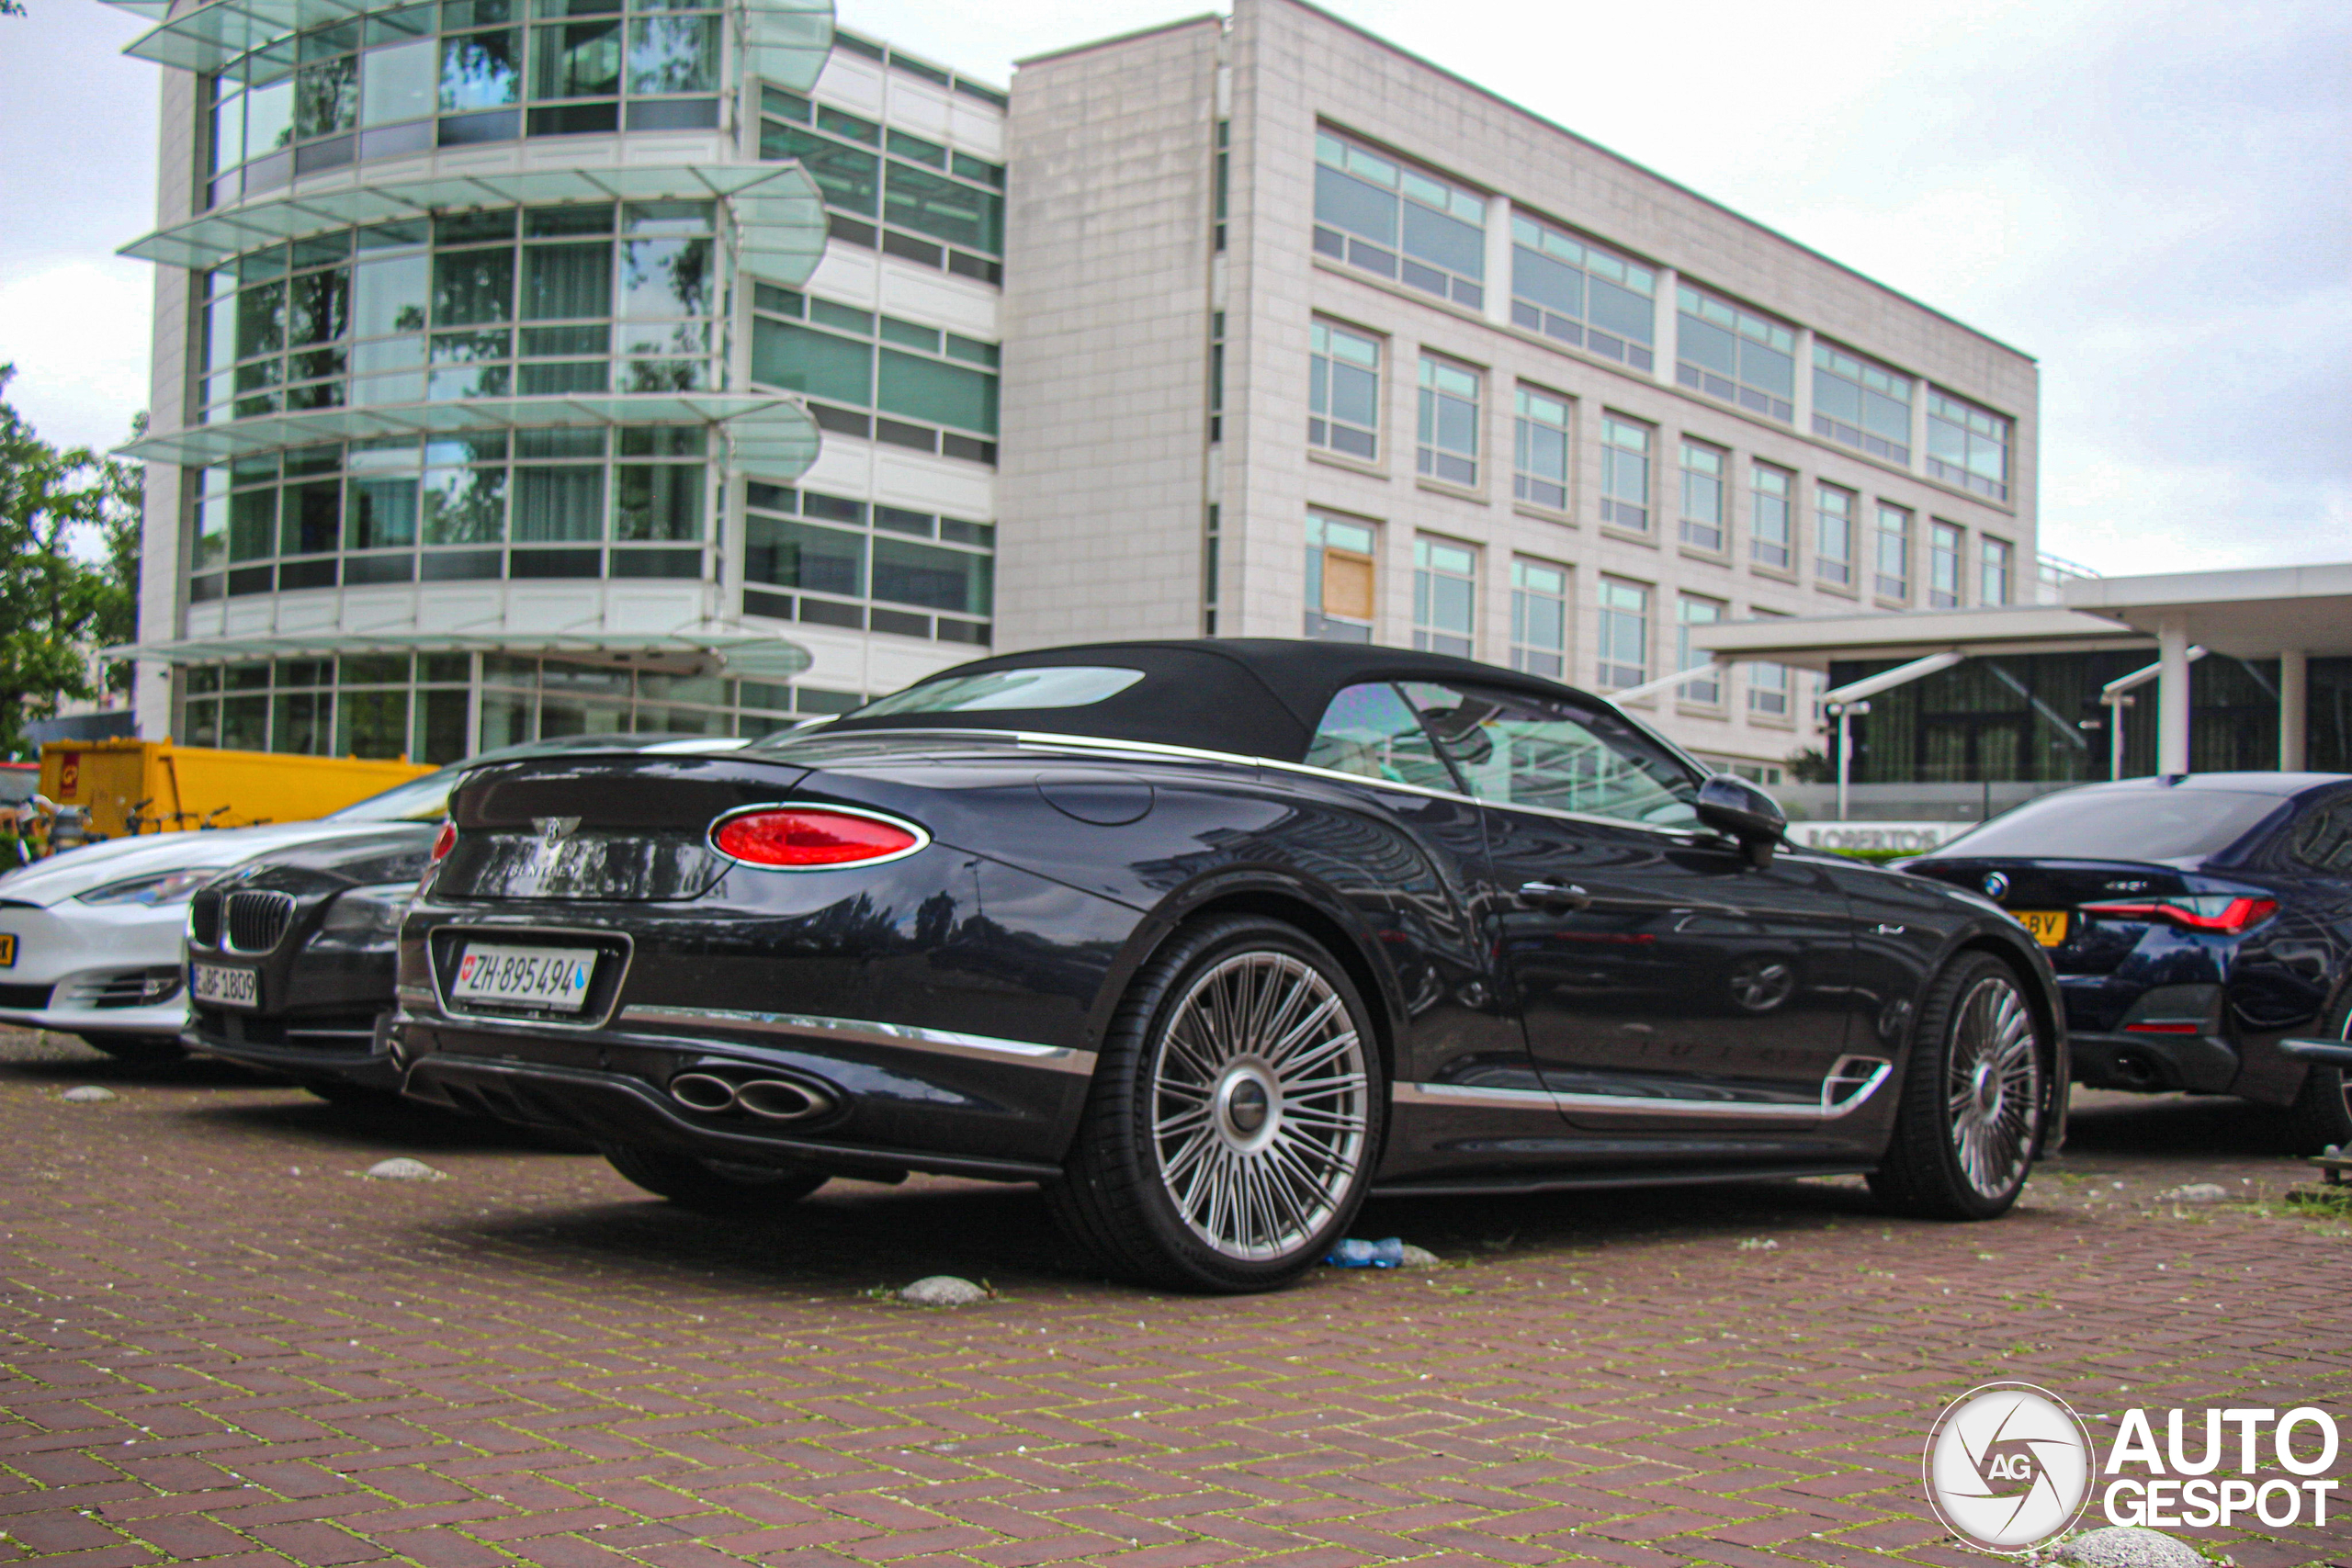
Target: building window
1689,609
1339,578
427,706
1943,566
1449,423
529,504
1833,534
1343,392
1540,450
1399,221
1445,596
396,85
1770,685
1221,184
1736,354
1539,618
539,302
1992,577
886,190
933,390
1967,445
1209,564
1769,493
1893,579
1702,495
1862,405
1625,474
1575,291
1624,634
1217,376
866,567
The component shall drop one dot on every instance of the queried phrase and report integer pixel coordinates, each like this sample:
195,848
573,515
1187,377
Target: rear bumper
900,1099
2155,1064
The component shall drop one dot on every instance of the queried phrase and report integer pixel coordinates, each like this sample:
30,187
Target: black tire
144,1050
714,1186
1290,1125
2322,1114
1976,1095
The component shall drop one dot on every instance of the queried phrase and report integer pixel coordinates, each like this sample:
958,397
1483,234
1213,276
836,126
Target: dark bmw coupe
2201,929
1214,939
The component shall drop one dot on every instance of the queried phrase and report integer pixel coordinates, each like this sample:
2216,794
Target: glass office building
532,370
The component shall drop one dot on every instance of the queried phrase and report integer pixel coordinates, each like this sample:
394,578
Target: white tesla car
90,939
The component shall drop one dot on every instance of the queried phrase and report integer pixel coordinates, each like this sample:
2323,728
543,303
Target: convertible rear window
2105,824
1047,686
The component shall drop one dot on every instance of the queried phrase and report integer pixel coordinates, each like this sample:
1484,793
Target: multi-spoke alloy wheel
1259,1104
1236,1113
1994,1087
1976,1095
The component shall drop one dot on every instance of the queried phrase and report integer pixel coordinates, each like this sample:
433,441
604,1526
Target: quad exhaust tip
769,1099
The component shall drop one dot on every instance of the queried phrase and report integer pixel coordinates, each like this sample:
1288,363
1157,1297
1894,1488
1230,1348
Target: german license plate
552,978
8,949
2048,926
230,988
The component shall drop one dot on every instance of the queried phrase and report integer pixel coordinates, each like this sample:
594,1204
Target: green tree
55,608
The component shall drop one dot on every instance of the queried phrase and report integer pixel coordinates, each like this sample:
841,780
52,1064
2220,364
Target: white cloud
78,333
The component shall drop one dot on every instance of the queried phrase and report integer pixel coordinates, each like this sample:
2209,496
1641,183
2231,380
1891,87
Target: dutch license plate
552,978
8,949
2048,926
230,988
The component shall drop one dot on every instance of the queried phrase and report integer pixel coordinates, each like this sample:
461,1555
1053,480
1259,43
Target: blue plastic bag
1388,1253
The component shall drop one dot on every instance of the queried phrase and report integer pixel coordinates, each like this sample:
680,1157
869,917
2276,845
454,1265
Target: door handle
1554,895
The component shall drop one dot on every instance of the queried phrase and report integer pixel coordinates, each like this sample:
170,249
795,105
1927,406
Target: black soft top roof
1254,696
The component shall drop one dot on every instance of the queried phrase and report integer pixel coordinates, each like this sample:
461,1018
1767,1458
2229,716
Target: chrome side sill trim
1826,1110
905,1036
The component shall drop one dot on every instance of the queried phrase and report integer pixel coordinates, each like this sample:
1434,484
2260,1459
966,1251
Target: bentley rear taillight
814,838
2217,912
443,842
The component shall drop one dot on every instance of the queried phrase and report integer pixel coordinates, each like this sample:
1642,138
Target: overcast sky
2154,199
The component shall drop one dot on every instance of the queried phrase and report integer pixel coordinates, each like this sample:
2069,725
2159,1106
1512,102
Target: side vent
1853,1080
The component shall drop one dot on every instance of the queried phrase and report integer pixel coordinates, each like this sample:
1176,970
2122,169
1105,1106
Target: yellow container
153,786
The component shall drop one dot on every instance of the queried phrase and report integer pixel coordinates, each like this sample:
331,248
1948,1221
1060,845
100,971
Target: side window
1369,731
2322,840
1523,750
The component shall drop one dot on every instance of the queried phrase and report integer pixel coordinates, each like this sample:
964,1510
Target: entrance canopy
2251,615
2289,614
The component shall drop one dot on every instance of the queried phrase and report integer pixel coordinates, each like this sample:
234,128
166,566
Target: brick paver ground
225,1345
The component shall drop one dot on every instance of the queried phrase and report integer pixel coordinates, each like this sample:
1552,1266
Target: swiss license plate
2048,926
230,988
8,949
552,978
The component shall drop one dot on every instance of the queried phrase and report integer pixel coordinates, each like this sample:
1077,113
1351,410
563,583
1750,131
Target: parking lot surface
226,1345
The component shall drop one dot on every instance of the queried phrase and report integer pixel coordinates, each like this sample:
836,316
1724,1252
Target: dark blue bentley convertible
1213,938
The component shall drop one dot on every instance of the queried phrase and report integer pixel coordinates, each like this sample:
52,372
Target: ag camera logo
2009,1466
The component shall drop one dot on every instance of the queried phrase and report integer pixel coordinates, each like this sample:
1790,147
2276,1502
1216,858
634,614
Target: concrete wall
1106,312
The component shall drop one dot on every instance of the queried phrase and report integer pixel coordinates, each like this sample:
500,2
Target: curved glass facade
592,296
460,72
484,364
632,502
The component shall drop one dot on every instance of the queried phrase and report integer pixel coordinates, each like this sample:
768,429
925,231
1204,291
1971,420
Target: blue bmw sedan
2200,926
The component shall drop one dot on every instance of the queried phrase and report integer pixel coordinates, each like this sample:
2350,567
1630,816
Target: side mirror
1739,810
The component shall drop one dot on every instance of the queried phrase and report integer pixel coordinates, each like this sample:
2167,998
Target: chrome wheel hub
1994,1091
1260,1105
